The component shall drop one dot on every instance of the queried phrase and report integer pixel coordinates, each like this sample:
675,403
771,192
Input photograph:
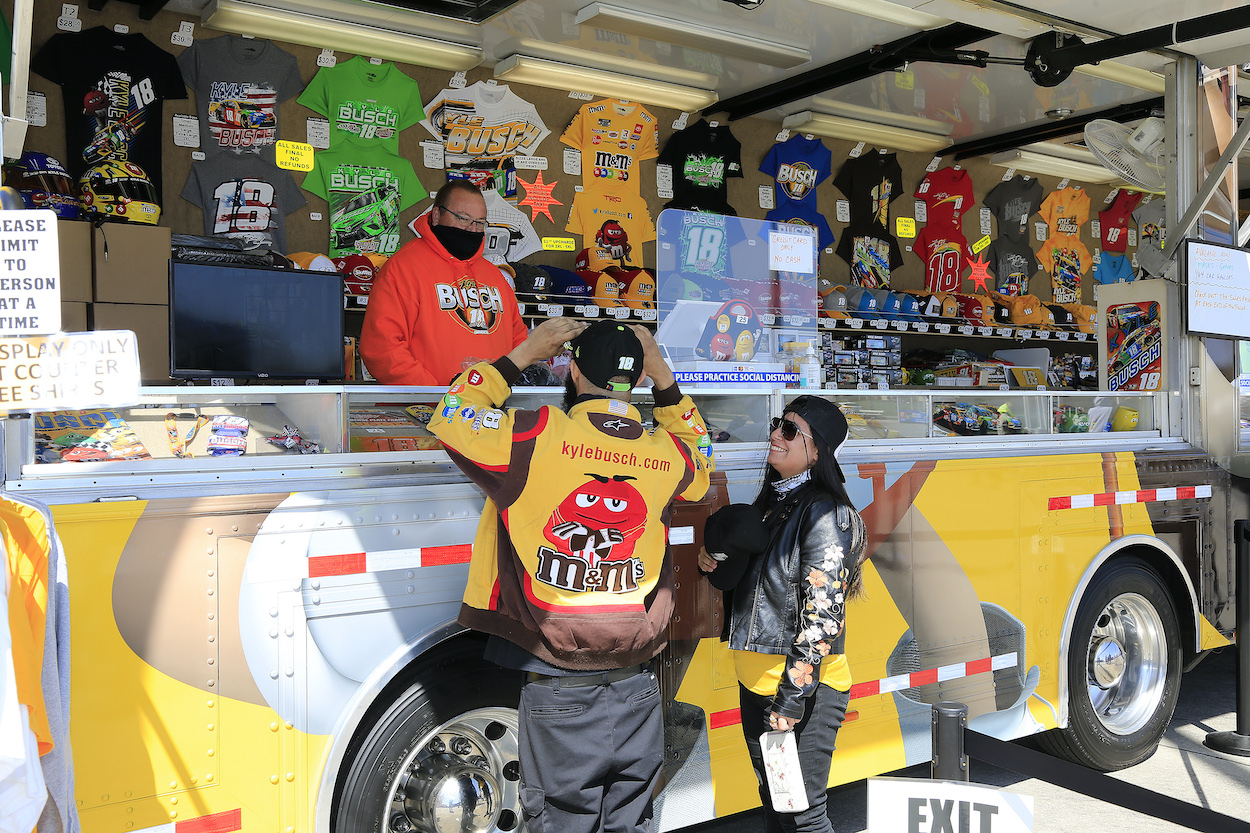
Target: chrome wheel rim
463,777
1126,664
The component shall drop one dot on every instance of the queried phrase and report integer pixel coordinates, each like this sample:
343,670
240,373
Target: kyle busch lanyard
177,446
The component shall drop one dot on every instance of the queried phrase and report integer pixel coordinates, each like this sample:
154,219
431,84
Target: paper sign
30,273
985,215
318,131
933,164
186,131
905,227
581,96
766,196
294,156
1063,183
74,370
791,252
1011,172
559,244
980,245
905,80
680,122
37,108
1132,237
922,212
530,163
842,211
664,177
572,161
433,155
1039,231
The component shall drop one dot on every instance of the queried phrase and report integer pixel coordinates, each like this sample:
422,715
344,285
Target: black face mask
461,244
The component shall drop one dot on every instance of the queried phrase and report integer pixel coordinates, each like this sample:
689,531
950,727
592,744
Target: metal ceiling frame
1052,130
936,42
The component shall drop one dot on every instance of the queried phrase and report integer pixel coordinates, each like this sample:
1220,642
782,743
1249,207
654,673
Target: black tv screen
248,322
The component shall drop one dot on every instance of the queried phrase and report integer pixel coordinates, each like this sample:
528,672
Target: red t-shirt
947,194
943,252
1114,221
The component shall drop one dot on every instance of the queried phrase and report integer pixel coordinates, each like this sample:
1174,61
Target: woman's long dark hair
825,476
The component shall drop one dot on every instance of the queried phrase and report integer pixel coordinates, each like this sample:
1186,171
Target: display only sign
30,273
915,805
69,371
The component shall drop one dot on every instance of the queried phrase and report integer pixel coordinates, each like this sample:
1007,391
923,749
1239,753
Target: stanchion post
1238,742
949,761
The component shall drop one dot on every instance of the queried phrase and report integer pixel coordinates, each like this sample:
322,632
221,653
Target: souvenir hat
910,310
357,272
861,303
950,305
532,282
569,285
889,304
312,262
637,287
834,303
378,260
606,349
826,420
736,532
606,290
1064,319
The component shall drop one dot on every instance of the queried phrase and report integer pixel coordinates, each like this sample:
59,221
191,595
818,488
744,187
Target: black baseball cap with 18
605,350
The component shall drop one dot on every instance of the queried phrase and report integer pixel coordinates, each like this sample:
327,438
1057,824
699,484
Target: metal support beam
1216,23
866,64
14,124
1176,234
983,145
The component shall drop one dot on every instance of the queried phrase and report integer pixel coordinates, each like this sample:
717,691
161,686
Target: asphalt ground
1182,768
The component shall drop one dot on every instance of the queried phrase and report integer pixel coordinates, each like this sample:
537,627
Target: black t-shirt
872,254
703,158
871,182
112,86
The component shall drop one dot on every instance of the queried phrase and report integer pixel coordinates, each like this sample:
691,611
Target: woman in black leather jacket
787,625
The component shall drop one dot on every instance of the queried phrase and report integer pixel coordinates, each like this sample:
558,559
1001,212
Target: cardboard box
73,317
977,374
150,323
135,267
74,240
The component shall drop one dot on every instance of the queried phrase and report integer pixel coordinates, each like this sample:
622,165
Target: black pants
815,735
591,756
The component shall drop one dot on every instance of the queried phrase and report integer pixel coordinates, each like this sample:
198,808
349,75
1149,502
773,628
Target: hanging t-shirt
703,244
1013,203
367,102
484,124
509,234
618,222
113,87
613,136
798,165
244,197
1113,222
943,252
1066,211
872,256
366,187
1113,268
799,214
1013,265
1066,258
1151,237
703,159
947,194
871,182
238,83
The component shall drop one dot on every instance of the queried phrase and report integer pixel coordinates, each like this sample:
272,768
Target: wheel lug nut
461,746
437,747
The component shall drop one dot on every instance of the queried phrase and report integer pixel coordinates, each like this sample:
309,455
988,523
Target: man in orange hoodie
438,306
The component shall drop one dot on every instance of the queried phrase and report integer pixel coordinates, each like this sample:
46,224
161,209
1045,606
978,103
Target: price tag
590,311
197,155
985,215
782,135
559,244
901,326
458,81
555,310
186,131
922,212
581,96
1147,198
681,121
68,21
880,323
965,330
1111,195
1062,335
1025,335
1002,331
664,193
664,177
766,197
883,385
1041,387
767,319
922,327
433,155
986,331
1063,183
1095,228
857,323
1134,261
1011,172
917,99
294,156
1082,336
183,36
530,163
857,151
377,62
1132,237
578,309
827,323
984,113
572,161
933,164
121,29
37,108
862,386
1039,231
1043,335
314,215
648,315
980,245
326,58
318,132
905,227
1097,260
1004,387
842,211
944,329
621,313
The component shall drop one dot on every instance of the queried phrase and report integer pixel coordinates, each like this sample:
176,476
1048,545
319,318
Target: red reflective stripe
216,823
979,666
336,565
1147,496
681,448
926,677
1186,492
865,689
1060,503
454,554
1104,499
729,717
533,432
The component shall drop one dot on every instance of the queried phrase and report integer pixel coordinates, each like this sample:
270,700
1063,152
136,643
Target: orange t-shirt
1066,211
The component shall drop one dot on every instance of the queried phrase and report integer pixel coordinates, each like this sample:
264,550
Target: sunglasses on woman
789,429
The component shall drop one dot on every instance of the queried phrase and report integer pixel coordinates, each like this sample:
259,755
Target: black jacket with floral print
792,598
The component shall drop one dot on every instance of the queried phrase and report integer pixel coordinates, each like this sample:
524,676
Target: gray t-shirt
1151,235
1013,264
1013,202
244,197
238,83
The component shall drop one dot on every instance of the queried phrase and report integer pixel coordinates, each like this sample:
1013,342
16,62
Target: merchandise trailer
268,641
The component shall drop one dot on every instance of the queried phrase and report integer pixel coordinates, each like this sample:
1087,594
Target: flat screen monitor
249,322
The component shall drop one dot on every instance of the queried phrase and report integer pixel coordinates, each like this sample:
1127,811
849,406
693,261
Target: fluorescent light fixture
607,61
312,30
889,12
878,135
1142,79
880,117
731,44
1071,165
524,69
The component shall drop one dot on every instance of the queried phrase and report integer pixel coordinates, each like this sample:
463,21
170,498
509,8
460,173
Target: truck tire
440,754
1124,669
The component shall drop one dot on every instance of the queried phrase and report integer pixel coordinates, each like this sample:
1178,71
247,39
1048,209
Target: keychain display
229,436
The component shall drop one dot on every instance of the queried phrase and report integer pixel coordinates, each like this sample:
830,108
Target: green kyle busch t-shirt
364,101
366,187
